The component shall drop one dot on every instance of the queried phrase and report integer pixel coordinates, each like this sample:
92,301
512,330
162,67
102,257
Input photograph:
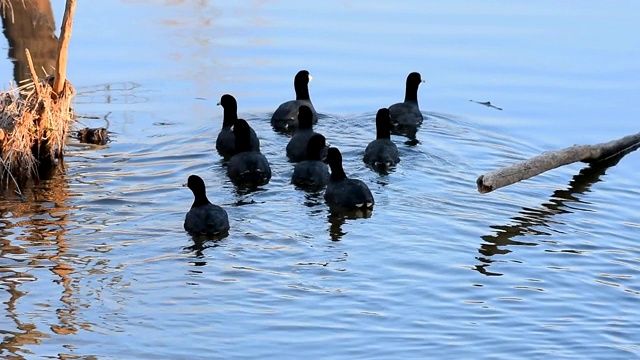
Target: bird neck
200,200
313,154
337,172
229,117
302,91
305,124
382,131
411,92
243,142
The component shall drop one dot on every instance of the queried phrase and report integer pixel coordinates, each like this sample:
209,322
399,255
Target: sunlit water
95,261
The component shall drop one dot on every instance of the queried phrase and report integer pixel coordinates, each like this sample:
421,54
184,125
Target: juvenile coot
344,192
407,113
226,141
382,153
204,217
312,173
247,166
285,118
297,146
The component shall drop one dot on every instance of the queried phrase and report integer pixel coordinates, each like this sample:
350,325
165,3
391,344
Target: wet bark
553,159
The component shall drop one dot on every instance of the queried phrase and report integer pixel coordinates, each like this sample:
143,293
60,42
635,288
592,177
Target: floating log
553,159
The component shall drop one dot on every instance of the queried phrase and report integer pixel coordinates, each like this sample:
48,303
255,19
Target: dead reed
33,127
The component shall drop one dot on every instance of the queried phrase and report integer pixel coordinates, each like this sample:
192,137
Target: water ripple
95,263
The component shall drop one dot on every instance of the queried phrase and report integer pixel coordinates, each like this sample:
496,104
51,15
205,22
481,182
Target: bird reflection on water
338,217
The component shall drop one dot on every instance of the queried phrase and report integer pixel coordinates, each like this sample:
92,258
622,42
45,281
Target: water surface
94,263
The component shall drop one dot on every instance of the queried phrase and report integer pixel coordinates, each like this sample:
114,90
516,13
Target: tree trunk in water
28,24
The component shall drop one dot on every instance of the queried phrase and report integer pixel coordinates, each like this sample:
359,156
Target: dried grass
34,118
6,6
33,126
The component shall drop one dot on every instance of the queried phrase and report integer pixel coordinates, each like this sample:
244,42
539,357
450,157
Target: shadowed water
95,263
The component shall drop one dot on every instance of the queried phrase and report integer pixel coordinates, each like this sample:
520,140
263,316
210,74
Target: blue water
95,264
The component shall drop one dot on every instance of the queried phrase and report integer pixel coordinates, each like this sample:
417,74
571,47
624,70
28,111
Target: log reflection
526,222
